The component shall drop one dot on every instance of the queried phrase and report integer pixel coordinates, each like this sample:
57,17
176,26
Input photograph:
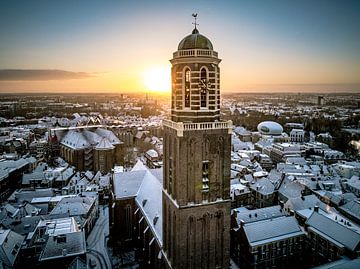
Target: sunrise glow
157,79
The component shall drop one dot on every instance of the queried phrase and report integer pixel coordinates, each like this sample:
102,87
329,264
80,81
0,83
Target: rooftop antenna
195,16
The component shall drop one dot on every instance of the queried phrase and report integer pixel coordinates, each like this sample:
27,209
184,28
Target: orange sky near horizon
275,46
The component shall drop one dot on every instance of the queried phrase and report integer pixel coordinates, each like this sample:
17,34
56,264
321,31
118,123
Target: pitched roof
74,244
10,243
75,139
260,214
74,206
352,208
104,144
303,202
333,231
109,135
272,230
127,184
149,199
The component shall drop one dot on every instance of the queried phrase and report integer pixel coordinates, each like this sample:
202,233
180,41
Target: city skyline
124,47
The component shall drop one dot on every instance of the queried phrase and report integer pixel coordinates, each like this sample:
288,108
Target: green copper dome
195,41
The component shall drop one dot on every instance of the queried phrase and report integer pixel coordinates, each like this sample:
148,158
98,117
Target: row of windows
203,85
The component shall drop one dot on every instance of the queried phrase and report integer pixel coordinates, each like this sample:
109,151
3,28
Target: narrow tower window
205,175
187,88
203,86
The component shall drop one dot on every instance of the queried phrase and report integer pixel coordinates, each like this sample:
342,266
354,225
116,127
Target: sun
157,79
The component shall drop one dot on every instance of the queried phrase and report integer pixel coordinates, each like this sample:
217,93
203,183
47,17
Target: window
187,87
203,90
170,174
61,239
205,176
128,220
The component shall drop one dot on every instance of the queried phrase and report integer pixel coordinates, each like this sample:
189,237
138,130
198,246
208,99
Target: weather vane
195,16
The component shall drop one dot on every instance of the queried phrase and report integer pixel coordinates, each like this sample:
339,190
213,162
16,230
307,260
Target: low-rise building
10,245
297,135
271,243
54,244
329,240
85,207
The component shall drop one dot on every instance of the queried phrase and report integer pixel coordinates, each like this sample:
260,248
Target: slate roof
263,186
75,244
262,232
352,208
78,263
27,195
9,166
259,214
305,202
74,206
291,189
333,231
9,241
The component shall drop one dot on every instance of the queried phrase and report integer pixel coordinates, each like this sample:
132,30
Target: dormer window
61,239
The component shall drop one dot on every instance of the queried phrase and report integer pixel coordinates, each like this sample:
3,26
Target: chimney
316,208
242,223
281,205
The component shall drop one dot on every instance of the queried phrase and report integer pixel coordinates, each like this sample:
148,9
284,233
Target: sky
115,46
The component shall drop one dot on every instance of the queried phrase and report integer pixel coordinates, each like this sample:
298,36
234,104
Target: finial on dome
195,31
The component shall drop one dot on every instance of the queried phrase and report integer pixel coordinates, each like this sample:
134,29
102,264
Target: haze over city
124,46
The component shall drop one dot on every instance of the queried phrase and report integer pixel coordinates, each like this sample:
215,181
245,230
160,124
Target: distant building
263,193
97,150
320,100
152,159
11,175
280,151
297,135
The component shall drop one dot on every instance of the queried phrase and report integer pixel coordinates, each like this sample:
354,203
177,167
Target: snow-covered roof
333,231
8,241
104,144
109,135
74,206
74,139
270,230
152,153
149,199
258,214
303,202
127,184
263,186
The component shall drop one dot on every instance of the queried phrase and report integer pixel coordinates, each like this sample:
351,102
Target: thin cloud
41,75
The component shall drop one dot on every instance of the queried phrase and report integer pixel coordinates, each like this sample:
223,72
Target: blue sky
263,44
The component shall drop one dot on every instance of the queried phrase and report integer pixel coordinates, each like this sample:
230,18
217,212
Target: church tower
197,144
